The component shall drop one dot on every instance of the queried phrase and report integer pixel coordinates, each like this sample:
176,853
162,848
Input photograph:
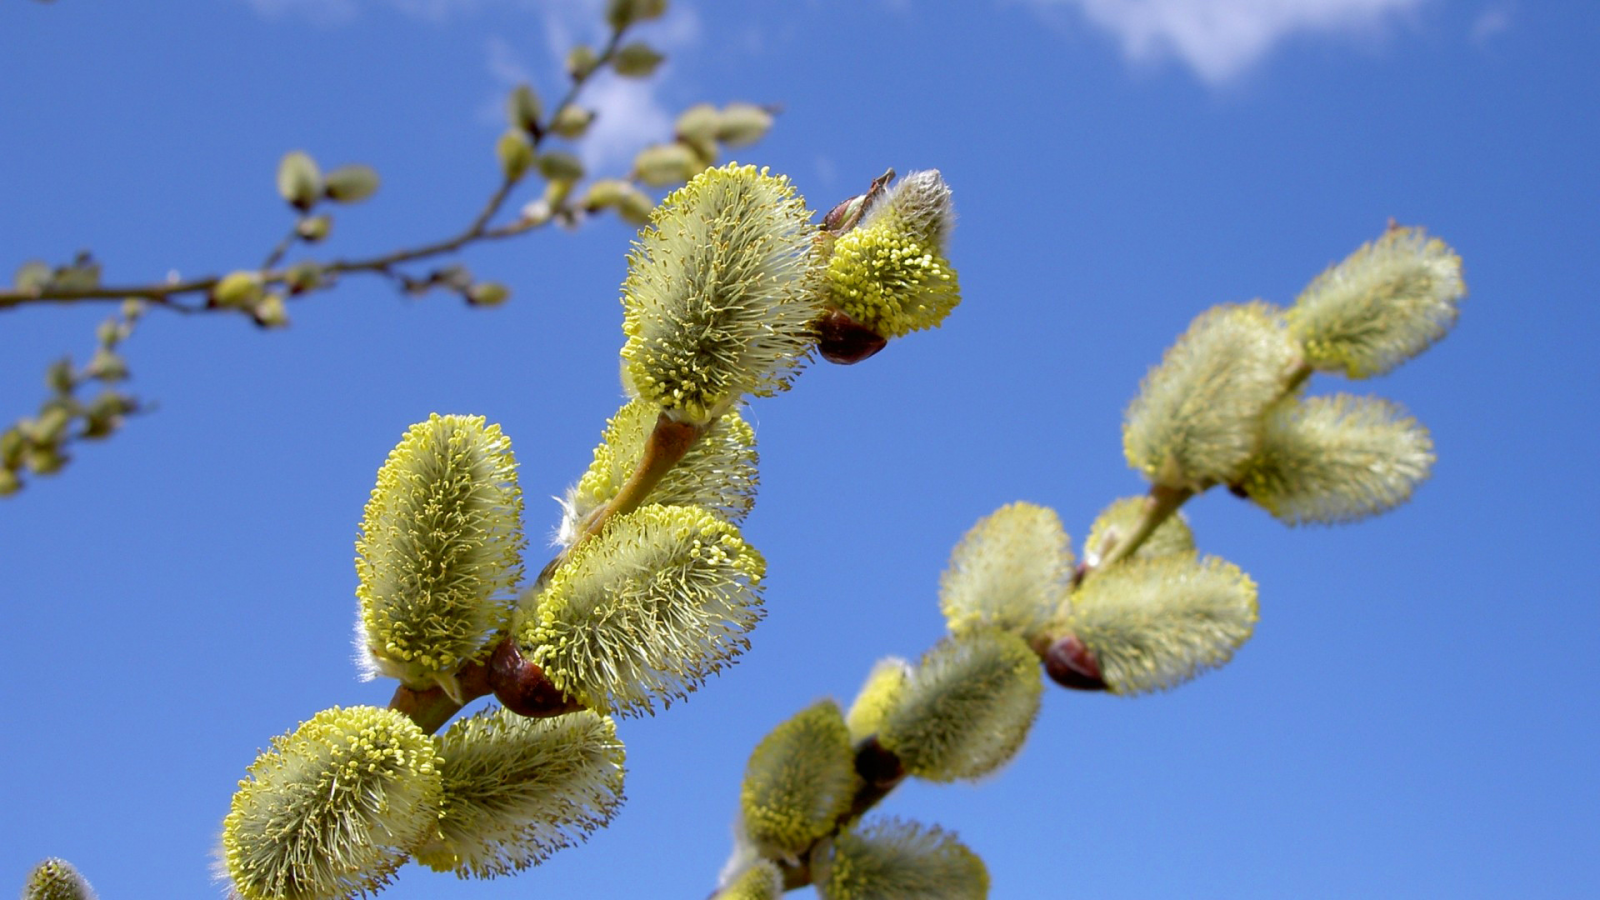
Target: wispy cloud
629,113
1221,39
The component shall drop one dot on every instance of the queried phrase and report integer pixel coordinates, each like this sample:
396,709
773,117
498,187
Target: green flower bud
270,312
967,707
645,610
51,424
515,154
636,60
12,445
59,377
716,301
581,61
9,482
1119,519
1152,624
697,123
302,277
517,790
558,166
903,860
107,365
662,165
1010,572
56,879
333,808
299,180
440,547
314,229
739,124
104,414
524,110
622,13
1197,419
237,290
605,193
718,473
33,275
635,207
44,459
800,779
760,880
1337,459
1387,302
878,696
351,184
488,293
572,121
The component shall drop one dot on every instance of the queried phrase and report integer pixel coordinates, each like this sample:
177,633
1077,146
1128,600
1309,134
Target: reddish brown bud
876,765
1070,664
843,340
522,687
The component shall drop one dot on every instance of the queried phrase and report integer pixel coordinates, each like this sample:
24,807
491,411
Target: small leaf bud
843,340
303,277
44,460
237,289
107,366
9,482
572,121
558,166
488,293
104,414
314,229
32,275
12,445
299,180
270,313
351,184
51,424
515,153
132,309
109,332
59,378
523,109
581,61
661,165
637,60
742,123
83,273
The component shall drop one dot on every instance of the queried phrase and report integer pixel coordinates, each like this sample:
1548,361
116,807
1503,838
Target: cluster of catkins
1142,612
729,290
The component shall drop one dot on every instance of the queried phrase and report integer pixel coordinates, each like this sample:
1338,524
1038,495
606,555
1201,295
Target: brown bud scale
1071,664
843,340
522,687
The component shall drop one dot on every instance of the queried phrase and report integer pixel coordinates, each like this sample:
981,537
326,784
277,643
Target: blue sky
1416,714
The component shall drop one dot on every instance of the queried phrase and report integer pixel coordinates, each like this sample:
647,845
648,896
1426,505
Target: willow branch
165,294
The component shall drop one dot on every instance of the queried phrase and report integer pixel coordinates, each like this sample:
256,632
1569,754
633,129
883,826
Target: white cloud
1220,39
